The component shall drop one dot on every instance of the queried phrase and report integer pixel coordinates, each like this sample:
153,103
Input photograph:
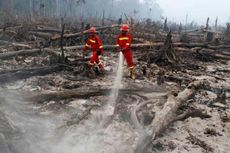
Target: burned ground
166,68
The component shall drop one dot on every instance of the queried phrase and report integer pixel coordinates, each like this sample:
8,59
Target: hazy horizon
197,10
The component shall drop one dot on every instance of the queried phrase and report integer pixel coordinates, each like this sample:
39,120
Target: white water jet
110,107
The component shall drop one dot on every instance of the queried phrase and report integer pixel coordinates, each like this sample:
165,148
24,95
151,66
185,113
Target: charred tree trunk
79,34
28,52
62,43
227,32
27,73
207,23
166,25
81,93
166,116
216,23
9,76
167,55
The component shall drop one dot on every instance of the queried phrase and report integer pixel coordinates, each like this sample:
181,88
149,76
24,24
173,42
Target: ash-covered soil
42,126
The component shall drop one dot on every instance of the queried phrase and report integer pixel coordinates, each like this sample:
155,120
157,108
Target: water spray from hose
116,86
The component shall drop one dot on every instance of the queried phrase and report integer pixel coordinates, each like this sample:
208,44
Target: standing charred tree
216,23
82,32
209,35
167,54
227,32
166,25
61,41
207,23
119,21
180,28
103,18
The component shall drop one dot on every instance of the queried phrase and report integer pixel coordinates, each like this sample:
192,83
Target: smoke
116,86
137,9
24,130
117,8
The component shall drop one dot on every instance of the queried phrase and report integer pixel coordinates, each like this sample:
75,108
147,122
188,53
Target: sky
197,10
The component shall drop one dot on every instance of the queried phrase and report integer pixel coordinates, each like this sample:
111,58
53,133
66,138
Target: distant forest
81,8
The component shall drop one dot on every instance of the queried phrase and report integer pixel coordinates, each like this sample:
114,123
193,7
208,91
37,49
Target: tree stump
166,54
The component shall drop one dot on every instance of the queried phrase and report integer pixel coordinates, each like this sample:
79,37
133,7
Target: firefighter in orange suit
123,44
95,43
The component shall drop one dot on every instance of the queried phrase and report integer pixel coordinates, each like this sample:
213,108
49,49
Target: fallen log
81,93
218,47
10,54
47,29
210,55
157,36
107,47
203,45
191,31
134,46
50,31
3,42
10,28
159,44
27,73
15,70
166,116
8,76
225,53
21,45
192,112
79,34
42,35
202,144
141,40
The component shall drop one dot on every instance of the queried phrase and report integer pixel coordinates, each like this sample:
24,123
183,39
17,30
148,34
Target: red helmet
92,30
124,27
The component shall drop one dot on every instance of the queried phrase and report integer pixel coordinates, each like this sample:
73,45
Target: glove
119,49
98,53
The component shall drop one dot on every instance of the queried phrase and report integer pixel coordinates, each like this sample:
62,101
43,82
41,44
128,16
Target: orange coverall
97,49
124,42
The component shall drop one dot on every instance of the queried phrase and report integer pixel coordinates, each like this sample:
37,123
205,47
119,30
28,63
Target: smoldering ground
24,129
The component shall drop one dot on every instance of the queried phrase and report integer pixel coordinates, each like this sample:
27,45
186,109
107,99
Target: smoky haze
196,10
24,130
175,10
116,8
81,8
